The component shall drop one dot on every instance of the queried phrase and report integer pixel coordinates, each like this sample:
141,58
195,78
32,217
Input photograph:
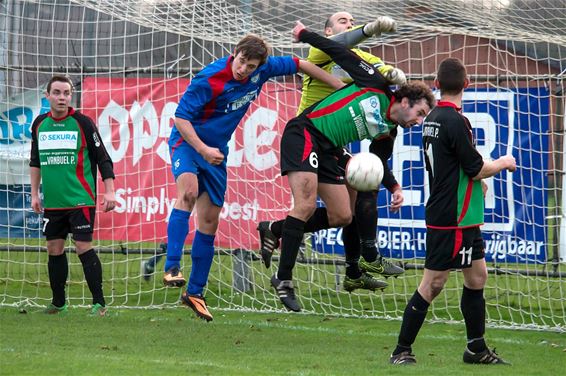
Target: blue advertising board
505,122
15,121
17,219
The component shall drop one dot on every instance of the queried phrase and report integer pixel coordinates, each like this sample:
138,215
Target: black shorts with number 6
453,249
57,224
304,148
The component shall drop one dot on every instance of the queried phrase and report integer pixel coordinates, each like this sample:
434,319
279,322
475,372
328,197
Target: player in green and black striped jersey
66,153
361,253
454,212
312,147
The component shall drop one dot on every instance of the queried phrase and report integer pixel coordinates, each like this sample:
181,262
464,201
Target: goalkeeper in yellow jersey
341,28
360,236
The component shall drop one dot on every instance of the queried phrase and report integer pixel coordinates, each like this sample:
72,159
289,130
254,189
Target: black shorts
304,148
57,224
453,249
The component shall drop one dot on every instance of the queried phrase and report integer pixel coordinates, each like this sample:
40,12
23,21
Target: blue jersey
215,102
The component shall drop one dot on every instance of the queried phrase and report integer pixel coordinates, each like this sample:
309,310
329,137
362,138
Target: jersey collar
71,111
448,104
388,113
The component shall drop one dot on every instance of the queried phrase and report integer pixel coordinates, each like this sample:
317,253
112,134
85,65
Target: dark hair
58,78
253,47
451,76
328,22
414,91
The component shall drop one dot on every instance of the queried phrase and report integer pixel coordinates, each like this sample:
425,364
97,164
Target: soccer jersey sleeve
34,156
96,149
281,66
318,57
383,148
372,59
362,72
195,98
351,37
461,140
375,61
321,59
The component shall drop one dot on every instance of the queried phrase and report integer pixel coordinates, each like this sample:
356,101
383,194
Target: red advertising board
135,116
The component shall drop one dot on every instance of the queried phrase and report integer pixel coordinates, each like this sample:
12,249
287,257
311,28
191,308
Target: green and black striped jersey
359,110
456,201
68,152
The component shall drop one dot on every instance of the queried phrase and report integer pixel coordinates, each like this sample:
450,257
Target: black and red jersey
456,201
68,152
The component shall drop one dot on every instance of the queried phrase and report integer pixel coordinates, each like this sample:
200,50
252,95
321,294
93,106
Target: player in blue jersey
209,112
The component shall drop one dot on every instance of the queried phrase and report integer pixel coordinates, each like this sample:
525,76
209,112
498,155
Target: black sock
351,241
369,250
413,319
292,236
477,345
277,227
93,275
472,306
58,269
318,221
366,214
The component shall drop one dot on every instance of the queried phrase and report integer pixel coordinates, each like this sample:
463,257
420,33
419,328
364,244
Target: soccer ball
364,172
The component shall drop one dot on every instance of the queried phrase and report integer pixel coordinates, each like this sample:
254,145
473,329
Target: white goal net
131,61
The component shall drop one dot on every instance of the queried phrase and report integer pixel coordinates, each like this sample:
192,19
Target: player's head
250,53
451,78
57,78
59,92
337,23
413,101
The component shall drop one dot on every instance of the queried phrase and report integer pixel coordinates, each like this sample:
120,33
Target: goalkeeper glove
396,76
381,24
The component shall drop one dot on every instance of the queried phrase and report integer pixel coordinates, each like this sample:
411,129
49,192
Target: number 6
313,160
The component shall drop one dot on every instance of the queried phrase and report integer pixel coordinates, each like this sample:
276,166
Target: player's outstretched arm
383,24
351,38
357,35
491,168
320,74
360,71
396,76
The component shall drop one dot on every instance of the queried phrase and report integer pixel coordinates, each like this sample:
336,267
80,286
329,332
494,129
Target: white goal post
131,61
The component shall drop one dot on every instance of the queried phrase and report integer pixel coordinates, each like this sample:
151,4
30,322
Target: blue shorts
211,178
